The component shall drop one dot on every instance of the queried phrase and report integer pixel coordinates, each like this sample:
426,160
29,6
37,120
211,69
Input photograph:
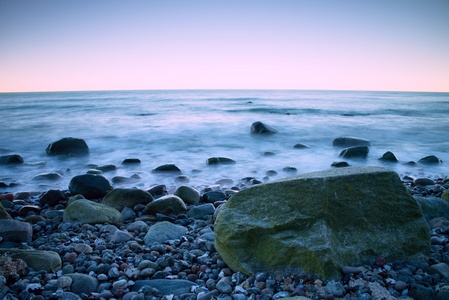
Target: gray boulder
15,231
433,207
201,211
349,141
262,128
121,198
90,186
86,211
355,152
48,261
164,231
320,222
83,283
167,168
166,205
68,146
188,194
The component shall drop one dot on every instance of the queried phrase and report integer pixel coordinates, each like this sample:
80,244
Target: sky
381,45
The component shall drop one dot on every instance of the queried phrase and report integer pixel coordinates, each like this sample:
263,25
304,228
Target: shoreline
124,265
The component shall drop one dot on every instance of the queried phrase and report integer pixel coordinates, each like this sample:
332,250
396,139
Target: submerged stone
388,157
220,160
355,152
430,160
349,141
11,159
320,222
262,128
68,146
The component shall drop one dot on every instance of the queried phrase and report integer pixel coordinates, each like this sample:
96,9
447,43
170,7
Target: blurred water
187,127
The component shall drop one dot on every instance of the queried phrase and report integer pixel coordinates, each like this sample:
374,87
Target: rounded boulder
121,198
90,186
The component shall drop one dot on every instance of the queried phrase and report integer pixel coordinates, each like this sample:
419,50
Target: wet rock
441,269
339,164
424,181
188,194
300,146
260,228
348,141
89,212
131,161
163,231
12,159
430,160
120,198
214,196
52,197
433,207
166,205
90,186
220,161
167,168
158,190
355,152
388,157
335,288
47,176
262,128
68,146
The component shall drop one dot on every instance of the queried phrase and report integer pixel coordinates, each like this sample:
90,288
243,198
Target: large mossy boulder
121,198
68,146
89,212
319,222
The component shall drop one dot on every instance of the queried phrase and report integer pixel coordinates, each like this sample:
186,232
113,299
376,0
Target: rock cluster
52,247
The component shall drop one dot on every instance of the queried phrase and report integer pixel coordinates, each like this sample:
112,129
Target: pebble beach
105,261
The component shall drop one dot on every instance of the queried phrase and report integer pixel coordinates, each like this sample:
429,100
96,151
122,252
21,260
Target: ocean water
187,127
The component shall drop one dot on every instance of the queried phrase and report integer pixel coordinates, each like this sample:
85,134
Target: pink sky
394,45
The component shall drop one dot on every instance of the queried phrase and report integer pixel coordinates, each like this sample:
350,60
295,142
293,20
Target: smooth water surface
187,127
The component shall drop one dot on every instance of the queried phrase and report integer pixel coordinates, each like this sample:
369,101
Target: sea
186,127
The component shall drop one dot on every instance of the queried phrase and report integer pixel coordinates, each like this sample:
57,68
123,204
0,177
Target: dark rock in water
339,164
262,128
167,168
411,163
68,146
158,190
355,152
182,179
388,157
131,161
220,160
90,186
424,181
268,153
11,159
289,169
121,198
320,222
52,197
166,286
349,141
300,146
107,168
430,160
271,173
47,176
24,210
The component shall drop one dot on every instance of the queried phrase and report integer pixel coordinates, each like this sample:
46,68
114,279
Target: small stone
120,284
64,282
400,286
224,287
335,288
83,248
